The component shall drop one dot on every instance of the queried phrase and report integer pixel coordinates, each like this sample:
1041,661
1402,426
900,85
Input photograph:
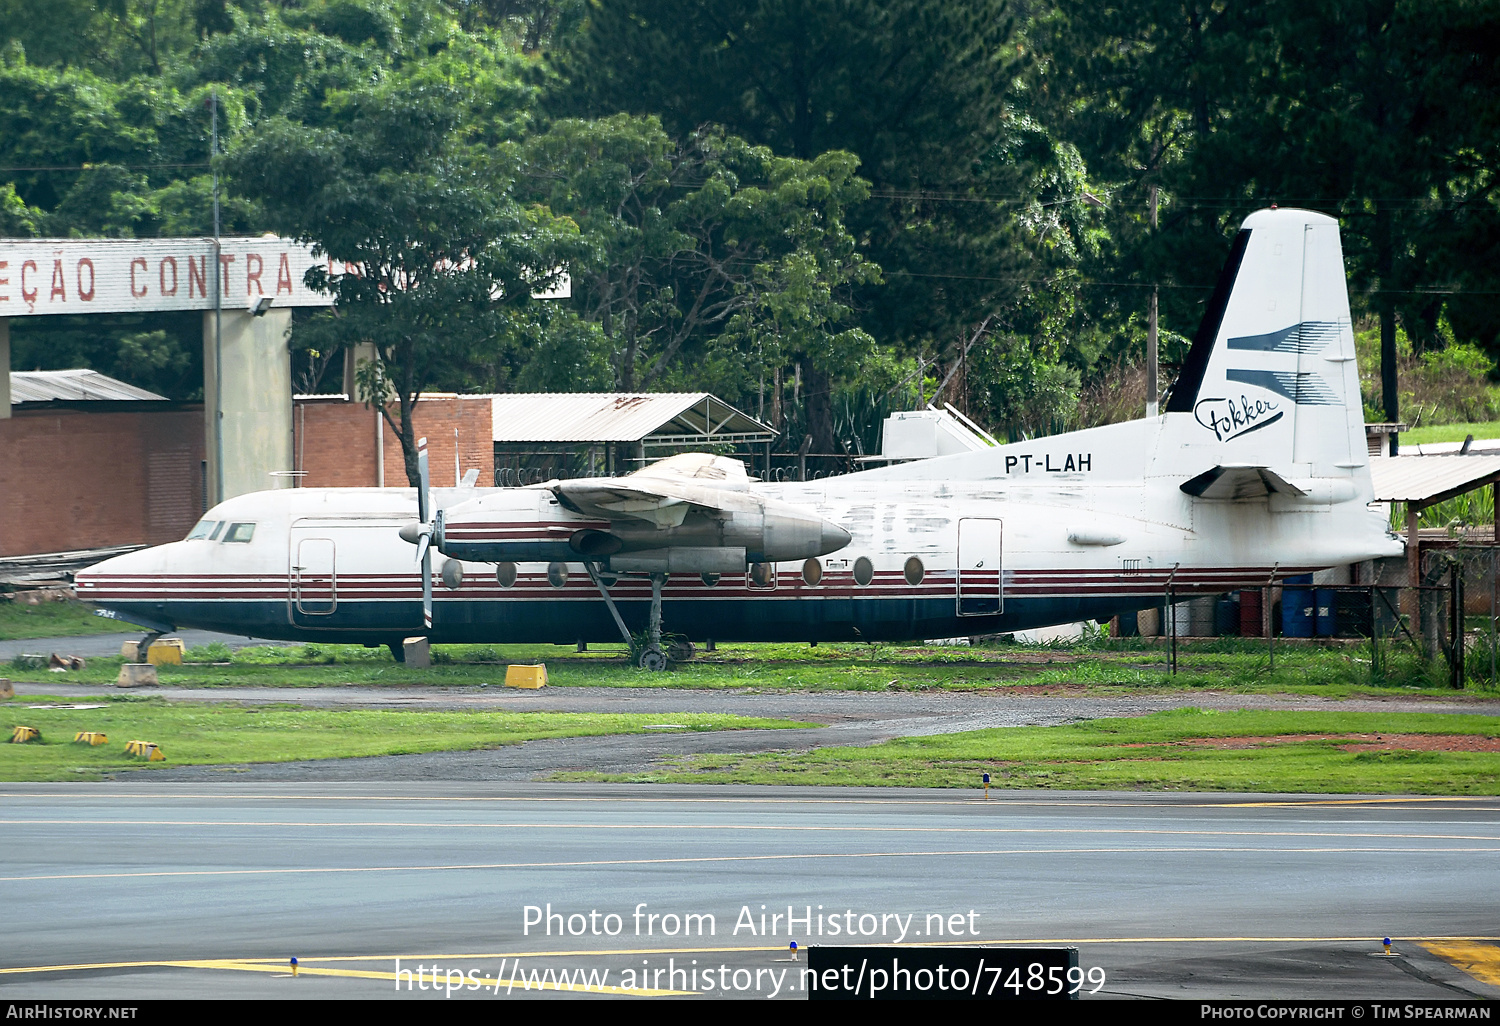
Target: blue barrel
1297,618
1326,602
1227,617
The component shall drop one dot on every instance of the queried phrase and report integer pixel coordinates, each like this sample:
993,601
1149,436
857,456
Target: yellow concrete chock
166,652
529,677
21,735
147,749
90,737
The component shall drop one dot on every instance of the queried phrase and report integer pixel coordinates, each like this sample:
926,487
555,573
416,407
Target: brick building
342,444
88,462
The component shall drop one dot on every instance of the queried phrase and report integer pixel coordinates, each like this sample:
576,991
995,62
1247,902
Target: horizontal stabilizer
1237,482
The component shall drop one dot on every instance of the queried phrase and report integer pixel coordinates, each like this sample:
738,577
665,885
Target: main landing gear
652,657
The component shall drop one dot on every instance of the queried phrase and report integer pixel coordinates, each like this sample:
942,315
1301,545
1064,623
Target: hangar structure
545,435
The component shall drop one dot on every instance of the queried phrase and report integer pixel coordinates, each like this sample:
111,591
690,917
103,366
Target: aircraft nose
832,539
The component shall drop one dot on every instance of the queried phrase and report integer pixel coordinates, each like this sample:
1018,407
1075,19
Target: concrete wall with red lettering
82,276
334,441
88,478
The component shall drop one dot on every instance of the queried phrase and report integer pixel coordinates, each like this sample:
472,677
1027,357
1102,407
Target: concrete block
418,653
137,675
6,691
529,677
166,652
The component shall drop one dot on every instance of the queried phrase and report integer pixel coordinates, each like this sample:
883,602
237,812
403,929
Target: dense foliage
820,209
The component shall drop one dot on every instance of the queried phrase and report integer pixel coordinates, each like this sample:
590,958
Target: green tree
919,90
1380,112
704,247
409,186
116,39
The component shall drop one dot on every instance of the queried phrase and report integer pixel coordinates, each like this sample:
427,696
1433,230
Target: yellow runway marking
745,858
1469,948
1481,961
279,967
775,827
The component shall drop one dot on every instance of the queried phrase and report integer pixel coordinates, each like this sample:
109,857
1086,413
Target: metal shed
544,435
73,386
1422,481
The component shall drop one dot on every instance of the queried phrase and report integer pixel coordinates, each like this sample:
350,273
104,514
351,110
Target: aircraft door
313,579
979,548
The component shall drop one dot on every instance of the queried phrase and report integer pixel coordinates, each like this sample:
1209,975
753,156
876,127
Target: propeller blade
427,589
422,498
424,539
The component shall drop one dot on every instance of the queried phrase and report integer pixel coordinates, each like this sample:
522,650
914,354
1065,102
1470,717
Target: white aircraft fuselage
1255,469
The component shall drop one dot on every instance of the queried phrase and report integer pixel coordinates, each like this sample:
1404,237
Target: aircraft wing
1239,482
665,492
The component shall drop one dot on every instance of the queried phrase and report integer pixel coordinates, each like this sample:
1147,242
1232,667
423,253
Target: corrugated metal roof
71,385
661,417
1424,479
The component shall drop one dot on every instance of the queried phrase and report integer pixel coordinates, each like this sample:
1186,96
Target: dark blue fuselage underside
566,621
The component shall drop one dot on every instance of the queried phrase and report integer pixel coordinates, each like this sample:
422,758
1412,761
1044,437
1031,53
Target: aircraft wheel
681,651
653,659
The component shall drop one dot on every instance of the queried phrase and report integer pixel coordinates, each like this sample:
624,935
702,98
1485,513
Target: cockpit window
239,533
217,526
204,529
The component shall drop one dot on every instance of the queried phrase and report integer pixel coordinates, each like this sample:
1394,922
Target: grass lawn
1180,750
1449,433
1331,669
53,619
196,734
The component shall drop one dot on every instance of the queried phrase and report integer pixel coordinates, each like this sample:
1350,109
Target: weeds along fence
1446,629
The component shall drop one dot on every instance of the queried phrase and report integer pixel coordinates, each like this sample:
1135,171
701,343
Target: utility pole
1152,390
217,413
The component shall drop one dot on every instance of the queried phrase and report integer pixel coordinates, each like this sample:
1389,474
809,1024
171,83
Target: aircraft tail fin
1271,379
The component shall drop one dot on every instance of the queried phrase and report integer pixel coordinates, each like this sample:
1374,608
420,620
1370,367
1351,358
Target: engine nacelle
682,560
779,533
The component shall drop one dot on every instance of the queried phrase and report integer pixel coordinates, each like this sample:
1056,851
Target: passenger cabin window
239,533
204,529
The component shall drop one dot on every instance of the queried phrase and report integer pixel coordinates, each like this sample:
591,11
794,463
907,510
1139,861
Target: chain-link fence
1449,621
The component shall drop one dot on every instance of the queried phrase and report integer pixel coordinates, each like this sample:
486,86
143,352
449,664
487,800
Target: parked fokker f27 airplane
1255,469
